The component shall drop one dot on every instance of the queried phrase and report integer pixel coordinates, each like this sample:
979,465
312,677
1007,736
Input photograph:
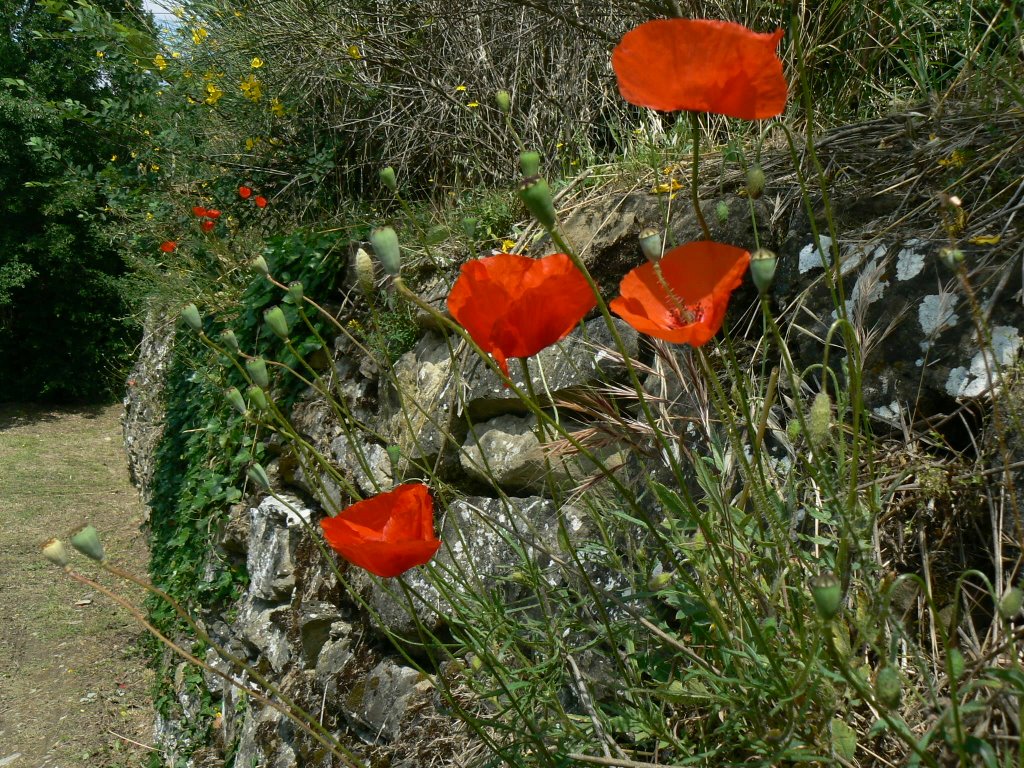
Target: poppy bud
257,398
503,101
234,397
385,246
1010,603
190,314
260,265
529,164
230,340
54,551
276,321
755,182
87,541
387,178
819,420
469,227
364,272
245,192
951,257
536,195
888,686
296,292
650,244
259,476
827,593
257,369
762,268
722,211
394,455
957,663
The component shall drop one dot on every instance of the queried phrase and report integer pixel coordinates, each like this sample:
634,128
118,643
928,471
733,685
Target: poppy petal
701,277
515,306
701,65
387,534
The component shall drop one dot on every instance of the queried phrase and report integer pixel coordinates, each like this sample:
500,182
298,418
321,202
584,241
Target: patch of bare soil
74,686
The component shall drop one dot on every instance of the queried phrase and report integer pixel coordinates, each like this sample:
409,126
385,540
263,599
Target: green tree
63,328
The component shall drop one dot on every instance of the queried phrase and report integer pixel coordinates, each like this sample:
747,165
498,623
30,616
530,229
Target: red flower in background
701,66
387,534
515,306
261,201
199,211
244,192
212,213
701,277
168,246
207,225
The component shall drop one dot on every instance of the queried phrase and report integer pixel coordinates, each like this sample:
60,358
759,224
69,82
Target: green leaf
844,740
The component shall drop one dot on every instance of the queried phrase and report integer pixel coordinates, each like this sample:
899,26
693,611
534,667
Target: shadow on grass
25,414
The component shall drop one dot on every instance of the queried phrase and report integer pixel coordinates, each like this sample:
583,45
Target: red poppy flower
387,534
212,213
515,306
199,211
244,192
207,225
701,277
261,201
168,246
702,66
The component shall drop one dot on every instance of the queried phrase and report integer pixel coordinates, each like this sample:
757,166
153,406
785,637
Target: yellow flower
460,88
175,55
276,142
100,54
160,61
276,107
187,73
154,167
507,246
149,216
178,11
353,52
213,94
212,74
199,34
133,154
256,62
251,88
251,142
113,158
473,104
145,133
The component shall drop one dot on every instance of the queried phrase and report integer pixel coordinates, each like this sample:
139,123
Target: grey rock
367,464
315,622
274,529
388,692
262,626
506,451
335,654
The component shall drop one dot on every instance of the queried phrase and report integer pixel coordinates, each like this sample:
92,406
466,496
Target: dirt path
74,688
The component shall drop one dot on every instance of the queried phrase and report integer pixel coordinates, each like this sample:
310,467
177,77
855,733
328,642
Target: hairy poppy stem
694,197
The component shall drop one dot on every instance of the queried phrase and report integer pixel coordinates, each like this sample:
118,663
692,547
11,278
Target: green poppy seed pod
951,257
394,454
229,340
364,272
190,314
957,663
536,195
86,540
650,244
503,101
385,246
762,268
257,369
1010,603
722,211
388,179
234,397
260,265
277,322
469,225
659,581
529,164
296,292
888,686
258,475
257,398
827,593
54,551
819,420
755,182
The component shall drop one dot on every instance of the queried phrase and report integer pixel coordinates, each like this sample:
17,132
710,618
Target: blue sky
161,10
